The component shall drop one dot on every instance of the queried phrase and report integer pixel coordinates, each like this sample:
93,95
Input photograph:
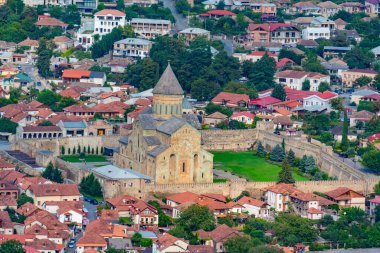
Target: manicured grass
87,158
219,180
250,166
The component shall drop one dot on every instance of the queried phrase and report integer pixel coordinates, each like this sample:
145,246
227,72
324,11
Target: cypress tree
62,150
97,150
260,151
283,144
48,172
345,144
291,157
79,149
68,151
303,163
92,151
285,175
88,149
74,151
277,154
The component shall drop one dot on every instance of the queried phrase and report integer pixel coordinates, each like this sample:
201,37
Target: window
183,167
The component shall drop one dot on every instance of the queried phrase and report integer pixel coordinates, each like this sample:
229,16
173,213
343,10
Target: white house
70,215
132,47
106,20
168,243
372,7
320,101
313,33
278,196
151,28
254,207
245,117
103,23
376,52
295,78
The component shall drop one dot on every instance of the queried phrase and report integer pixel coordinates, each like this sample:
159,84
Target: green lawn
249,166
87,158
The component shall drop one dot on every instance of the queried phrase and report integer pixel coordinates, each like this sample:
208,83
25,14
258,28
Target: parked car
72,243
94,201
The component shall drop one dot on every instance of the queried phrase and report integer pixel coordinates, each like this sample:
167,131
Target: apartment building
151,28
285,34
264,8
294,79
313,33
191,33
349,77
132,47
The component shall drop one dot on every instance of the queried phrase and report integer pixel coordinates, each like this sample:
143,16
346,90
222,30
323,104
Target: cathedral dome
168,83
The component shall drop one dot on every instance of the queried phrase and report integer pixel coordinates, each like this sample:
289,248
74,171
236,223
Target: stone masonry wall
229,139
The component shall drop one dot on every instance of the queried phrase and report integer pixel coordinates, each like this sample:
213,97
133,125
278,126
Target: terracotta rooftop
7,201
230,98
28,42
106,12
283,189
78,108
219,234
6,165
27,209
31,129
76,74
54,190
183,197
166,240
217,115
51,22
251,201
6,222
342,193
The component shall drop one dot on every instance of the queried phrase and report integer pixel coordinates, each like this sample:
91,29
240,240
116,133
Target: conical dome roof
168,83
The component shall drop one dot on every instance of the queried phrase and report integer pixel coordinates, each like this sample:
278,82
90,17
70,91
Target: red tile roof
183,197
78,108
29,42
375,200
230,98
6,222
262,53
75,74
342,193
6,200
313,210
282,188
282,111
106,12
73,92
115,107
327,95
219,234
252,27
165,241
290,104
282,62
48,21
244,113
366,71
6,165
264,101
374,137
27,209
55,190
29,129
61,116
273,27
372,97
251,201
221,13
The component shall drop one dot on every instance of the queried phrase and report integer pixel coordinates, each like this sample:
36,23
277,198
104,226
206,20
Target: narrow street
181,22
32,72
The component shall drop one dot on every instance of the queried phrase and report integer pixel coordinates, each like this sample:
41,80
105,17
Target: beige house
151,28
345,197
52,192
165,144
215,118
191,33
349,77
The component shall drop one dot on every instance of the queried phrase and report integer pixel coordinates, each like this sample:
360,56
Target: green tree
43,60
91,185
136,239
371,160
359,57
193,218
261,73
120,5
52,173
7,126
13,246
45,123
211,108
306,85
23,199
238,244
260,151
279,92
337,104
345,143
105,44
203,90
65,102
291,157
312,64
285,175
323,86
362,81
48,97
277,154
62,150
284,53
376,189
48,172
17,6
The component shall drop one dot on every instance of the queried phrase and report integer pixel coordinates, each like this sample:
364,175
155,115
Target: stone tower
167,95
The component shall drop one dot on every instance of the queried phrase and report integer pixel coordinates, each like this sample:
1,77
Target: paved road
32,72
228,46
91,216
4,145
181,22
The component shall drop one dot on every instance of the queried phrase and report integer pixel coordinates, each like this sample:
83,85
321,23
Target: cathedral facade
165,143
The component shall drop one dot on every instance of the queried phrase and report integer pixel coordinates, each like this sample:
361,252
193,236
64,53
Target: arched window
183,167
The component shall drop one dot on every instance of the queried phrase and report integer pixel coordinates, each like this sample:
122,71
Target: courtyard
249,166
87,158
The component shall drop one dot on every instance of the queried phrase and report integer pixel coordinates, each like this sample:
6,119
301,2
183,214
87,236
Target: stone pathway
227,175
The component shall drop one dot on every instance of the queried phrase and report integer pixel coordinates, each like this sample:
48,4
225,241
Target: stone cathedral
165,144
